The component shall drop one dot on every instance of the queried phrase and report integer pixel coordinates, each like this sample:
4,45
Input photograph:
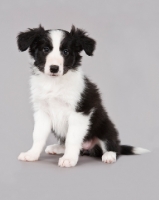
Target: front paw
66,161
28,156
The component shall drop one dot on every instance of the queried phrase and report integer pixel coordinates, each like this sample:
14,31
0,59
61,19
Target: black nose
54,68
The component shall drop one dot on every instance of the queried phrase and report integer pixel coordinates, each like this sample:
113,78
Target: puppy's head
55,52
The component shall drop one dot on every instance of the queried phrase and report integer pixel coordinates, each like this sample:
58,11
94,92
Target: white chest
57,96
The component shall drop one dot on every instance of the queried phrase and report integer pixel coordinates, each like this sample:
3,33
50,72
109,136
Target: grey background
126,68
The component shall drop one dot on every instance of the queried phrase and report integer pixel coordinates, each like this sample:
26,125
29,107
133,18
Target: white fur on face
55,57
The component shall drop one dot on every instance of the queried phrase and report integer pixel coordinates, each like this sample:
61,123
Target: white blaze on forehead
56,37
55,57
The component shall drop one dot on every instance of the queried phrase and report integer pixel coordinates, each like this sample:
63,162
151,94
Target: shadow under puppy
65,101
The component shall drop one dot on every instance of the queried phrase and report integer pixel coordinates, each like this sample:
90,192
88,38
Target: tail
130,150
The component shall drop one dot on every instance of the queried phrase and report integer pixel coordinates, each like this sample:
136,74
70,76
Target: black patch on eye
39,49
72,58
38,42
65,52
46,50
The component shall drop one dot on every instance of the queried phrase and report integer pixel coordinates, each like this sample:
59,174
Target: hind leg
102,150
109,154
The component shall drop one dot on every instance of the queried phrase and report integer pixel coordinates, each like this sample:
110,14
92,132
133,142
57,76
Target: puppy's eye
65,52
46,49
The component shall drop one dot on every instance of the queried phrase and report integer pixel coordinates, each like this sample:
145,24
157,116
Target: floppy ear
25,39
82,41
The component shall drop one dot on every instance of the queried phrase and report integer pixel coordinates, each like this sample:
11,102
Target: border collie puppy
65,101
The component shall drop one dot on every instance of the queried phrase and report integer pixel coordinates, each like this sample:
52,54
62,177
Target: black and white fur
65,101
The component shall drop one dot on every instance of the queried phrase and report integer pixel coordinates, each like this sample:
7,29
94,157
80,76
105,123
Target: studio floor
131,177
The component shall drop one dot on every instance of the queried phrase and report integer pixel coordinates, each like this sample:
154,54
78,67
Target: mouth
53,74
